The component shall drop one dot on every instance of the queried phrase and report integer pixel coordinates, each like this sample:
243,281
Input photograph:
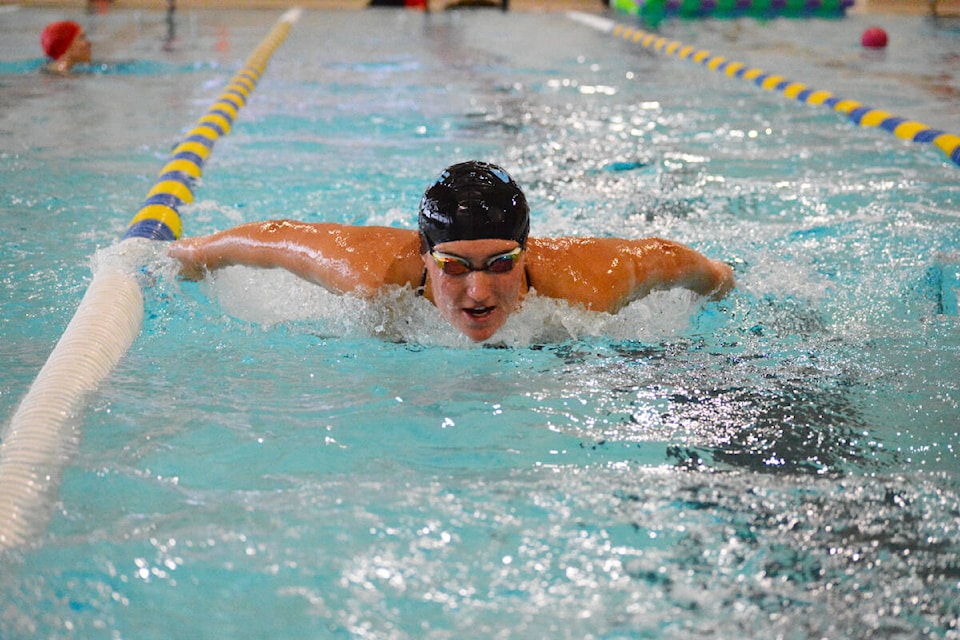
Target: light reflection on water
271,461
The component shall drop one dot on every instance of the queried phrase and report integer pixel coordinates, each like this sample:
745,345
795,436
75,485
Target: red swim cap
58,36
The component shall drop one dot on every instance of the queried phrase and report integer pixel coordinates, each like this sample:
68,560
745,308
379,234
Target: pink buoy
874,38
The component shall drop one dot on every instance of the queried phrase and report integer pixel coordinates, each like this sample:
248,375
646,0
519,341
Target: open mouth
479,312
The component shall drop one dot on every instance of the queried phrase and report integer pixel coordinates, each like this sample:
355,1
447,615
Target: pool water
270,461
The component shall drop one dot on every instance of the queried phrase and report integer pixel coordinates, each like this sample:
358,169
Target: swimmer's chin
476,325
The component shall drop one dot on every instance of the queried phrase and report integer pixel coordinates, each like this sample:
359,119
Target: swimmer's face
477,303
79,50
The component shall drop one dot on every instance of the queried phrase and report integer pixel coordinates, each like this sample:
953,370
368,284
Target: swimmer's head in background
473,201
58,36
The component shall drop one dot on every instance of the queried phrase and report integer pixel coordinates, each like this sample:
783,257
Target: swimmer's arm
605,274
663,264
340,258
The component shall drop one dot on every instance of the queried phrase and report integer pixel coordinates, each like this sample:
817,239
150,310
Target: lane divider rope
858,113
159,216
44,431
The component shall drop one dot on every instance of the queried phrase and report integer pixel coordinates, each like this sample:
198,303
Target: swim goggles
457,266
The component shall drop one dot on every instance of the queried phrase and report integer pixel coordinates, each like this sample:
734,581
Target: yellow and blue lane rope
159,215
857,112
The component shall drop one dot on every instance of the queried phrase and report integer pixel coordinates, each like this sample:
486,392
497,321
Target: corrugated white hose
42,434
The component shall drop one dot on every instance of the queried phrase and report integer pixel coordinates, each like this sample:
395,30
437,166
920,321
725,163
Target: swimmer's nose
479,285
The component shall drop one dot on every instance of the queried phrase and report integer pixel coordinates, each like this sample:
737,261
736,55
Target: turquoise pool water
268,461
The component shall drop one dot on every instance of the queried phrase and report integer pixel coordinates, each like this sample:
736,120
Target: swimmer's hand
189,252
724,278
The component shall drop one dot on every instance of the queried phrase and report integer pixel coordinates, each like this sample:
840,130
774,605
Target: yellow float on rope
181,165
160,214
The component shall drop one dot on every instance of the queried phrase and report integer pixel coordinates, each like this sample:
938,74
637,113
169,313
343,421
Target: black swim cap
473,201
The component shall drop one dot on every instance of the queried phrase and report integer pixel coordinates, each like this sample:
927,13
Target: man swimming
472,256
66,44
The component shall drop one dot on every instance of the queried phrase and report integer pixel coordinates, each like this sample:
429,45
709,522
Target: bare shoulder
391,256
329,233
378,238
569,246
604,274
582,257
584,271
375,256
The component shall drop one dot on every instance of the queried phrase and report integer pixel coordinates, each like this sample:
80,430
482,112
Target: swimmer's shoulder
387,255
377,252
342,235
392,235
601,274
558,251
574,269
575,249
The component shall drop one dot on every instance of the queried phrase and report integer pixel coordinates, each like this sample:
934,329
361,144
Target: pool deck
915,7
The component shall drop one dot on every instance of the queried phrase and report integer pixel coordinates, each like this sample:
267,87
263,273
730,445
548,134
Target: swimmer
66,44
472,256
